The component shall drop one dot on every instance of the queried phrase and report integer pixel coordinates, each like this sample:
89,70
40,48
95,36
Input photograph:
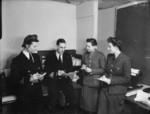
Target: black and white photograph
75,56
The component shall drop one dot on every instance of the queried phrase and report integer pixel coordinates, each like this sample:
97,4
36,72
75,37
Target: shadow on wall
6,68
11,47
103,47
8,61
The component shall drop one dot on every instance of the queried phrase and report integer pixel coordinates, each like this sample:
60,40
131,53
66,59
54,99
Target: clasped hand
36,77
104,79
87,69
59,73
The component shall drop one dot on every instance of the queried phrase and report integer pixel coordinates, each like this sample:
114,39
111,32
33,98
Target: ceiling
103,4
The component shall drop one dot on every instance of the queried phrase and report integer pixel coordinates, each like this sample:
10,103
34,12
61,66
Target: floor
6,109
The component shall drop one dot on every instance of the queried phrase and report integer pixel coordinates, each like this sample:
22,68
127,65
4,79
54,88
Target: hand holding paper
104,79
41,76
87,69
61,73
34,77
83,67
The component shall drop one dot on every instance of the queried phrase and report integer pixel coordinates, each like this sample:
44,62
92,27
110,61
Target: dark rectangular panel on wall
0,19
133,28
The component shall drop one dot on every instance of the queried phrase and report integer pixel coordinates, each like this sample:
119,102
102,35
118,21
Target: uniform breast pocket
118,70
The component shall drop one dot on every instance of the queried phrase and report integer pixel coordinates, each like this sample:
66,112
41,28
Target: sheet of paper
134,72
8,98
142,97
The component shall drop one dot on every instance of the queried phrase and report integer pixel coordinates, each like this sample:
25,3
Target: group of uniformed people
104,81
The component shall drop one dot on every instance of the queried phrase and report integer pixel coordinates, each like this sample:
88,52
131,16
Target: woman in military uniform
93,66
26,77
116,79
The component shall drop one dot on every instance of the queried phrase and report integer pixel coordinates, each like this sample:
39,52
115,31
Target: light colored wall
106,27
86,23
49,20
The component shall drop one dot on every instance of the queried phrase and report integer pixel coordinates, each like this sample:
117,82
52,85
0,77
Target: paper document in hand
73,76
42,75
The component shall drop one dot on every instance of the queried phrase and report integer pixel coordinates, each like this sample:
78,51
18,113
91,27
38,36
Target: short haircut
115,42
92,41
60,40
29,39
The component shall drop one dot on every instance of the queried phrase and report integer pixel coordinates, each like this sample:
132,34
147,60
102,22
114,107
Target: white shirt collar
57,55
26,54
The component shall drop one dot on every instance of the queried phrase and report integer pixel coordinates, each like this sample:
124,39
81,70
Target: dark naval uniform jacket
21,69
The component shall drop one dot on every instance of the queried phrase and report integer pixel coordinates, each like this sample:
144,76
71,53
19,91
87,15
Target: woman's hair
115,42
92,41
29,39
61,40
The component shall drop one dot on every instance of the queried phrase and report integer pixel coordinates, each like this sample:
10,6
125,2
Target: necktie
60,58
31,58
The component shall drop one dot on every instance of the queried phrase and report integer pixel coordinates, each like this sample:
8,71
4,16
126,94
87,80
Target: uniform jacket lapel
118,58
